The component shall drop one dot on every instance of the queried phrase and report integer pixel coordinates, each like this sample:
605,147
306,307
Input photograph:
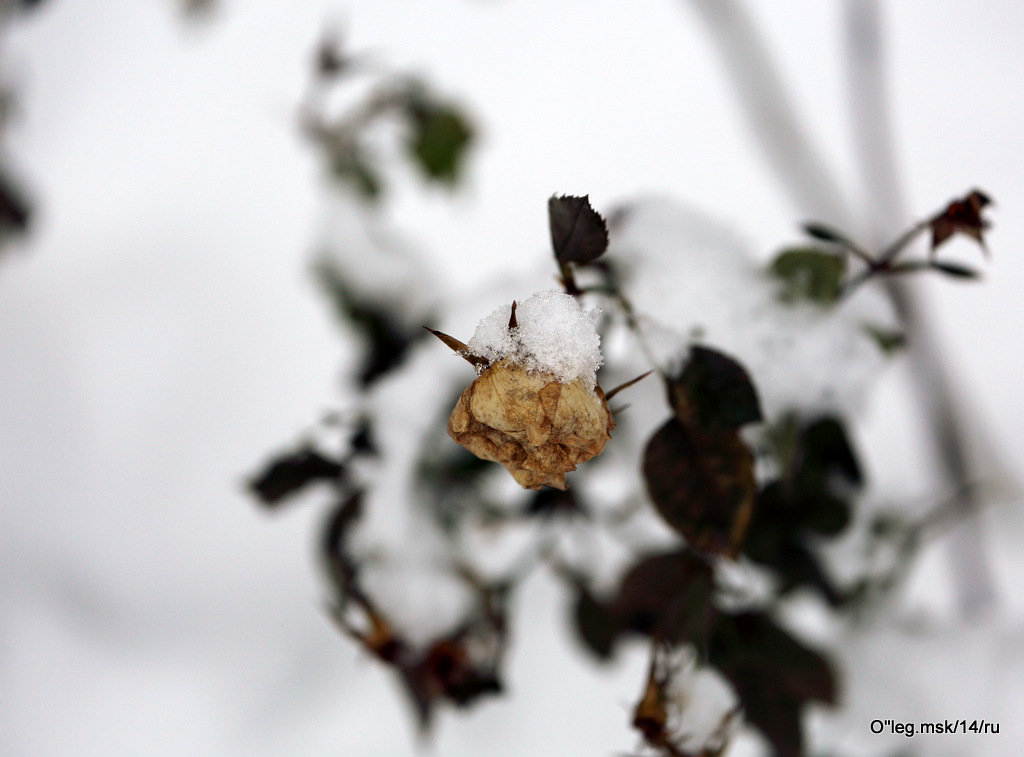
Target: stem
895,248
861,255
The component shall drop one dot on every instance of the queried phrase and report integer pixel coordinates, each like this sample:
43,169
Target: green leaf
888,340
909,266
714,392
353,168
826,234
809,274
578,232
702,483
440,136
955,270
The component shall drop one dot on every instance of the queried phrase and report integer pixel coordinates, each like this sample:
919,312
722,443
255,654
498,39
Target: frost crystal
554,336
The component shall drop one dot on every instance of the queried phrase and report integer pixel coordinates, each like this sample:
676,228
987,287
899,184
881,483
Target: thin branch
626,385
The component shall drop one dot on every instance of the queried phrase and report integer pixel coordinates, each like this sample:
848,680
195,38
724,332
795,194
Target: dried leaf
448,668
660,713
650,716
961,216
578,232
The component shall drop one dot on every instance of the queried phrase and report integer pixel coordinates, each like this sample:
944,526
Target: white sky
159,333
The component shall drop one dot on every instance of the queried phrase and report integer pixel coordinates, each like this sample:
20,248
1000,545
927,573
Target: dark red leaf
774,676
291,472
713,392
15,211
578,232
702,484
667,596
961,216
596,624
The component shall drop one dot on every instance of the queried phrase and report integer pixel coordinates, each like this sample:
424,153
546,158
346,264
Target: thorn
459,348
512,324
628,384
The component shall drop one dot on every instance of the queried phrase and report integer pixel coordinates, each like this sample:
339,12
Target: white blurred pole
814,191
778,133
886,216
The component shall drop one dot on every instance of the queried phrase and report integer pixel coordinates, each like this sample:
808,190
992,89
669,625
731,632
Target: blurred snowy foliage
696,280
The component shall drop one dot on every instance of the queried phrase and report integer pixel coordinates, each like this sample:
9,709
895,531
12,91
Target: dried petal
961,216
534,425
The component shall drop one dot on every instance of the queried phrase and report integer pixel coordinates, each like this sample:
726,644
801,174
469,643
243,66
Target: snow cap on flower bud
536,407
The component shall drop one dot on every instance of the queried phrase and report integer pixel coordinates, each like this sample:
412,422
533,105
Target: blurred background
160,332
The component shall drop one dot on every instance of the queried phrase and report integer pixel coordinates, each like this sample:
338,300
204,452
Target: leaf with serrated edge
578,232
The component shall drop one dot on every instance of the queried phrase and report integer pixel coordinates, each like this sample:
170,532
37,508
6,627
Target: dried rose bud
538,427
536,407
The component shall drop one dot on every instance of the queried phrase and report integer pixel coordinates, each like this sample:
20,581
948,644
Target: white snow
554,335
